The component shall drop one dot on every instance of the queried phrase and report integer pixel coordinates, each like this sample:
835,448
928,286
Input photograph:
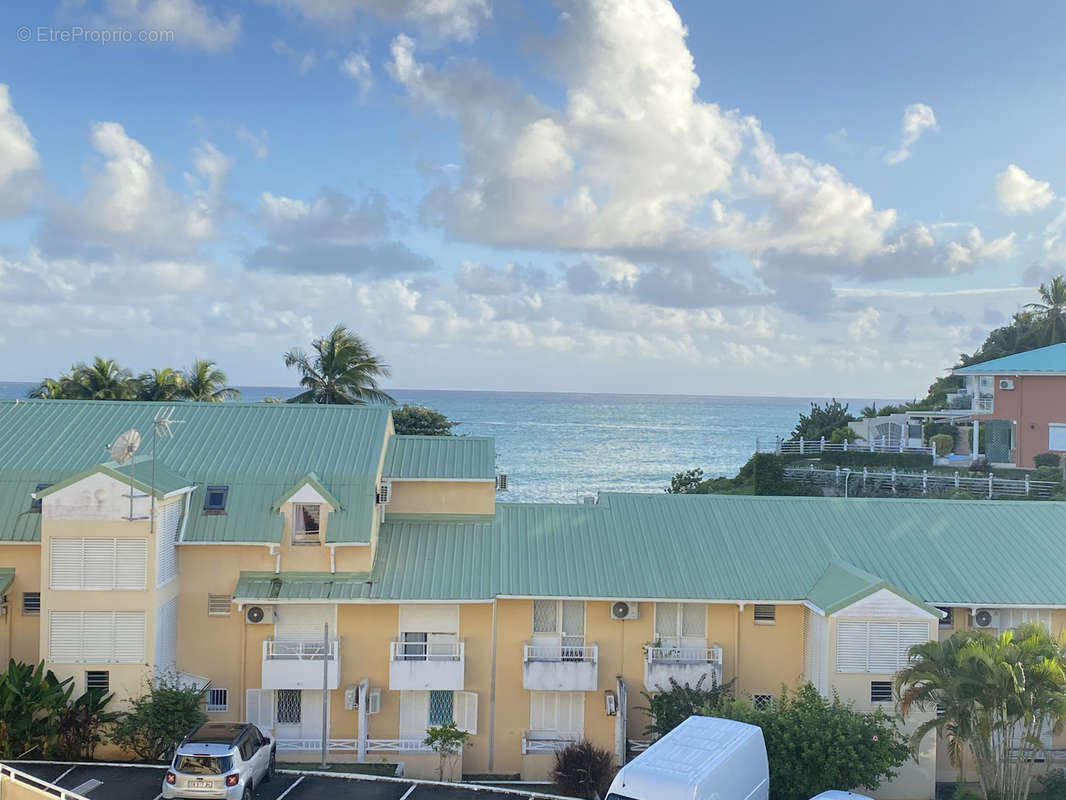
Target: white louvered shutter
99,564
129,637
259,708
465,711
131,564
65,568
166,636
414,714
851,646
542,711
693,620
166,553
304,622
884,647
64,637
572,712
910,634
98,637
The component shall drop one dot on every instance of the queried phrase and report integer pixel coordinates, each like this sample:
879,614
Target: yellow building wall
442,497
20,634
769,655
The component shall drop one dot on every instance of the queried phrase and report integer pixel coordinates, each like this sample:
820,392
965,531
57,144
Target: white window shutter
64,637
129,637
694,620
373,703
98,637
851,646
131,564
65,568
910,634
465,711
572,716
99,564
259,708
884,647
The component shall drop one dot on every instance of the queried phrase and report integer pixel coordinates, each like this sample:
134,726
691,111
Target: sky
800,199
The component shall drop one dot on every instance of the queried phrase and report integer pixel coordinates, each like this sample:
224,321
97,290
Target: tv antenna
160,428
122,451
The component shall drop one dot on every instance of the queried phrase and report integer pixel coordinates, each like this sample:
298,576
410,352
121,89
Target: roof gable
308,489
140,472
1050,359
843,587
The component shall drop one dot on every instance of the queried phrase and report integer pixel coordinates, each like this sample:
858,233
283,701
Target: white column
976,438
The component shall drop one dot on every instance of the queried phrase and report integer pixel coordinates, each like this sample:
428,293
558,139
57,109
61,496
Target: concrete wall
442,497
1035,401
19,633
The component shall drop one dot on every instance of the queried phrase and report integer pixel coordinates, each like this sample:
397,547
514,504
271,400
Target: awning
266,587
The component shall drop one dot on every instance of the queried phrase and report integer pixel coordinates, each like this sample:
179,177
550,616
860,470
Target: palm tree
206,383
161,384
51,389
1052,310
992,694
342,371
104,379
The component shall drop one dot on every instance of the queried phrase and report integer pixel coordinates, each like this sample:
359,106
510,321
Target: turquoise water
557,447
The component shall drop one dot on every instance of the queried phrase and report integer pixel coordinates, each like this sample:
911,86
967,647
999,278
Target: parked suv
223,760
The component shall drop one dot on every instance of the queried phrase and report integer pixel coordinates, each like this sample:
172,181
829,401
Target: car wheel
270,769
247,793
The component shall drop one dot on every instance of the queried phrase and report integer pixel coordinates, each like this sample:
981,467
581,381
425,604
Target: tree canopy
106,379
422,421
339,370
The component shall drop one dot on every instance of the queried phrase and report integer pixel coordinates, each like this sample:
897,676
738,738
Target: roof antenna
160,427
122,451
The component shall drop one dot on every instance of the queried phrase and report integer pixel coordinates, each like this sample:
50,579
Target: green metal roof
137,471
259,450
325,586
470,458
733,548
1043,359
842,585
7,576
309,480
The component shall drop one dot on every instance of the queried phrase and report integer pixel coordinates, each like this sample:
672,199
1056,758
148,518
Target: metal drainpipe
492,692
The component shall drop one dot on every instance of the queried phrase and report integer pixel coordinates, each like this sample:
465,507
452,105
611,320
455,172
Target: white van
703,758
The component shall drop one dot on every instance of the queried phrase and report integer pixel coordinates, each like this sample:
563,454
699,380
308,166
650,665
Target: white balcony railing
983,404
683,665
410,745
418,666
425,651
560,652
534,742
297,664
684,655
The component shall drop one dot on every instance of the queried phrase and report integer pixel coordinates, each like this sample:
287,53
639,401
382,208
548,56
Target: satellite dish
125,446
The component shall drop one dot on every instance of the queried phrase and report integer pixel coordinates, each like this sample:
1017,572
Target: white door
414,714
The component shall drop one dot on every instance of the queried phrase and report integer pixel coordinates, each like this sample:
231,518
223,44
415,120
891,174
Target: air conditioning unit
624,609
1006,383
986,618
588,499
501,483
384,493
257,615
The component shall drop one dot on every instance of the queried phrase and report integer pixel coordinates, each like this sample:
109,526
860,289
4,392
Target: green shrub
1052,786
446,740
843,434
943,443
160,719
584,770
1053,474
931,429
814,744
1047,460
822,421
863,458
670,708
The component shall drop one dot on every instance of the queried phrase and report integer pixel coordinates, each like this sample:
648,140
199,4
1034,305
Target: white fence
924,481
813,446
425,651
297,650
352,745
538,743
560,652
683,655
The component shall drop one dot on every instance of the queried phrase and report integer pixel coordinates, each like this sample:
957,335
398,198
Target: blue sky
590,196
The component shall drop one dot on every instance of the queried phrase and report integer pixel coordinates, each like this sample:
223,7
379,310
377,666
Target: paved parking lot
112,782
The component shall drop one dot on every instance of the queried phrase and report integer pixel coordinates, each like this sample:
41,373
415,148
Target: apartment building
273,553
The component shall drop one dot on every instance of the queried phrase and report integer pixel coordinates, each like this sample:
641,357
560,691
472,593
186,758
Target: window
765,615
1056,436
762,702
215,499
98,679
440,708
98,564
681,631
880,691
96,637
217,700
557,712
219,605
31,604
373,701
879,647
35,502
288,707
948,620
305,518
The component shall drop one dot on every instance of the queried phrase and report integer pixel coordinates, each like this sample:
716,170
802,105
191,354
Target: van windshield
203,765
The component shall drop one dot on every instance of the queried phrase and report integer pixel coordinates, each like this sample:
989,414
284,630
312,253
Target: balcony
559,668
293,664
535,742
980,403
682,664
420,665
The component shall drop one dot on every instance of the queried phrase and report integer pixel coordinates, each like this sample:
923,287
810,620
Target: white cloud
192,23
356,67
258,142
19,163
304,61
445,19
1018,193
917,119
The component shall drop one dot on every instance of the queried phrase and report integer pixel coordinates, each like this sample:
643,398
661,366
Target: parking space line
409,792
61,777
87,787
282,795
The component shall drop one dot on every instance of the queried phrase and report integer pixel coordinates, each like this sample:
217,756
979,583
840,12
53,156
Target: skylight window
35,502
215,498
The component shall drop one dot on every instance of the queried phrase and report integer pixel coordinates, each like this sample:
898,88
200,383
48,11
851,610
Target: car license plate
199,784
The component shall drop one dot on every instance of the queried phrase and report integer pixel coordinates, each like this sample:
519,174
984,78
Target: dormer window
35,502
215,499
305,523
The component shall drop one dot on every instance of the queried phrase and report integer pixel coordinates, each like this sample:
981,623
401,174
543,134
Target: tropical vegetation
421,421
764,473
446,741
106,379
160,718
993,696
339,370
583,770
669,708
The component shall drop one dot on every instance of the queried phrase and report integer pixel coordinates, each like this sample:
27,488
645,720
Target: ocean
556,447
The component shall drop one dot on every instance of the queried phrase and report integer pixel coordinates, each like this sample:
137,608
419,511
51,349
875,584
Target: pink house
1020,402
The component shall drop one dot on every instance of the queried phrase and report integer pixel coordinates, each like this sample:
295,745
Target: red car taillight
171,778
231,780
